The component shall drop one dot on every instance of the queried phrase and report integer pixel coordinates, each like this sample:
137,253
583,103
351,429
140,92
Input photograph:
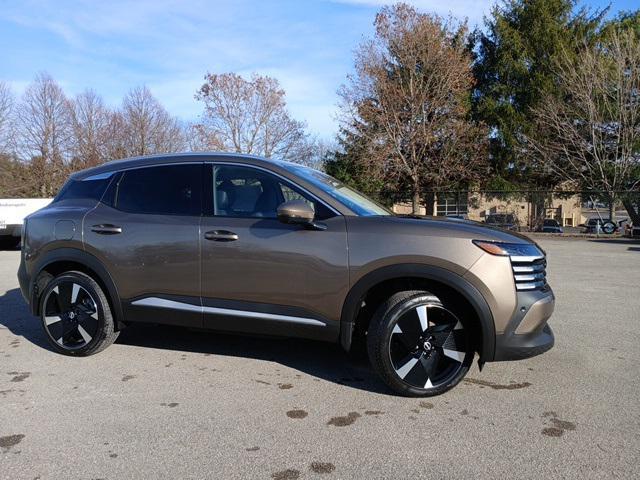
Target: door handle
221,236
106,229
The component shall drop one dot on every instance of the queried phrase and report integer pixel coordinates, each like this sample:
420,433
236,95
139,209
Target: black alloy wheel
418,345
76,315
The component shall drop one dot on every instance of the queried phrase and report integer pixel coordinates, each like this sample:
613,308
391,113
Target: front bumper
527,334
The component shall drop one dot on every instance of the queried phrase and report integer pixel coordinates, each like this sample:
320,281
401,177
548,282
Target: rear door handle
221,236
106,229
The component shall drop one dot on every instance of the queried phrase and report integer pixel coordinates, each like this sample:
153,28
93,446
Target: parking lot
171,403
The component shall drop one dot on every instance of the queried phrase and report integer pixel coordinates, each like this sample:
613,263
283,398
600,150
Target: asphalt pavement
172,403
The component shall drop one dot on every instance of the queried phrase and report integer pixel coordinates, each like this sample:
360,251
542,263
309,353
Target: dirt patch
563,424
11,440
464,412
373,412
285,386
262,382
289,474
322,467
559,426
347,420
427,405
252,449
19,376
552,432
126,378
497,386
297,414
170,405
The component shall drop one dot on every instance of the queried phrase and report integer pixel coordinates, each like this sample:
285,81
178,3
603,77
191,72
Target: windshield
355,201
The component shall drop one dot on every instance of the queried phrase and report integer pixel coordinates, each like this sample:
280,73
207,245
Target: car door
145,231
263,276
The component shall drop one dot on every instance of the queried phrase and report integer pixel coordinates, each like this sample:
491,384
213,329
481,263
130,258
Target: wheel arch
409,274
67,259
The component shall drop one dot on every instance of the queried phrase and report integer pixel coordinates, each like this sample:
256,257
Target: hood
454,227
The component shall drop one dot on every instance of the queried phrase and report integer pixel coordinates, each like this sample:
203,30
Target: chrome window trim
172,304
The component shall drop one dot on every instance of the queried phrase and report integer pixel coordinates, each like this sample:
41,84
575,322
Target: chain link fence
536,210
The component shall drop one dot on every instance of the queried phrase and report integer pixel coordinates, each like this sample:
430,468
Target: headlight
519,252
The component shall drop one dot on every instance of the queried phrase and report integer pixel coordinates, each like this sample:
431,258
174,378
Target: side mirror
296,212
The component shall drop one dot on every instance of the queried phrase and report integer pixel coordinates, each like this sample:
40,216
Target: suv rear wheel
418,345
76,315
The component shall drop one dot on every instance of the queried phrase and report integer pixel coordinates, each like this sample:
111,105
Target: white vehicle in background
12,213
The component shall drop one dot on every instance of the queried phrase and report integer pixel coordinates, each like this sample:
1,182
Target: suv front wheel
417,345
76,315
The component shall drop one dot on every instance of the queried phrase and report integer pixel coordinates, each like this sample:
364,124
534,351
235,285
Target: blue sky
112,46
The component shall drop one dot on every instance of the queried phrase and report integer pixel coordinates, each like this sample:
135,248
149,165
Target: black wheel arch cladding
83,258
426,272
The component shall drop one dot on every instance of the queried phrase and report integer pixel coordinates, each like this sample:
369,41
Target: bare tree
6,112
44,132
410,96
91,136
148,127
592,131
248,116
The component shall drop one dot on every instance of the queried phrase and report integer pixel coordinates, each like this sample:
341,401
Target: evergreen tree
514,68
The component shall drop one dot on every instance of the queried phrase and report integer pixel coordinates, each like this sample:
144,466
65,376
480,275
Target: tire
413,360
76,315
608,227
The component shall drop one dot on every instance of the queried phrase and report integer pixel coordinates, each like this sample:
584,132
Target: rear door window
90,188
161,190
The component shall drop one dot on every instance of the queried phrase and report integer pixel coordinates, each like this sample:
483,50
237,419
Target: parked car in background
458,216
12,214
508,221
550,225
600,225
244,244
631,230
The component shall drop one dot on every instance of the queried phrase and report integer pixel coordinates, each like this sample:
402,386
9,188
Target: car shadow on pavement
15,315
619,241
322,360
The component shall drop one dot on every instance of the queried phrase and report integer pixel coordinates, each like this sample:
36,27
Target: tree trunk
632,210
611,204
416,201
429,199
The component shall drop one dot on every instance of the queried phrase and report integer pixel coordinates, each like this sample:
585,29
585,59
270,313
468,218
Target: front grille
529,273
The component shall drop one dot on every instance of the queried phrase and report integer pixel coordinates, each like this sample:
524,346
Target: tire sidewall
104,313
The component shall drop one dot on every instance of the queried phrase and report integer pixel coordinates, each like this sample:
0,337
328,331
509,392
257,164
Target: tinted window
164,190
249,192
91,188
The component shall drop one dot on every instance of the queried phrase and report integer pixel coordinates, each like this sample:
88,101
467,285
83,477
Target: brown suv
242,244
